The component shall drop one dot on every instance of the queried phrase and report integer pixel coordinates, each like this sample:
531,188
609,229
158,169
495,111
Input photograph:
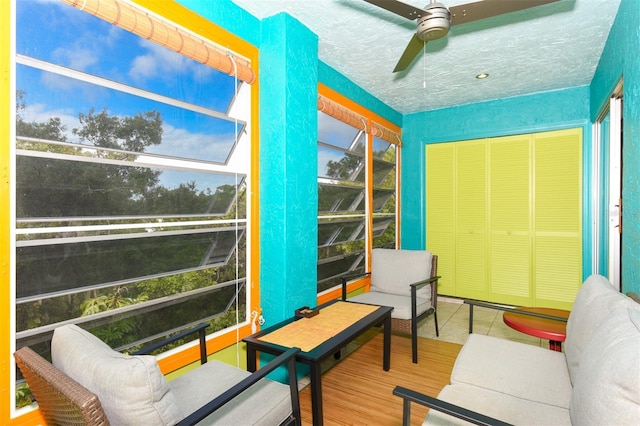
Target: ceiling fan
434,20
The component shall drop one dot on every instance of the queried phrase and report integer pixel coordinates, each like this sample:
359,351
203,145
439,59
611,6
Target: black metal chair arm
473,303
420,284
346,278
286,357
410,396
200,329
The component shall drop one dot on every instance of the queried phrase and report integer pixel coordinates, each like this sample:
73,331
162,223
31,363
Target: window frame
181,16
371,119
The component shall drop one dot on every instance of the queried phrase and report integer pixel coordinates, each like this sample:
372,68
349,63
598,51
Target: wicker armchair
406,280
211,393
62,400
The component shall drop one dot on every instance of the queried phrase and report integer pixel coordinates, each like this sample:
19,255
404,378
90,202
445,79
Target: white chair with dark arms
406,280
91,384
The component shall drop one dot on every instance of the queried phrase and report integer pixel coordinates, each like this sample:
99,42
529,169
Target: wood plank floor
357,391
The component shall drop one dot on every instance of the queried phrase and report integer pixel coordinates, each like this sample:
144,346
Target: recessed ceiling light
482,76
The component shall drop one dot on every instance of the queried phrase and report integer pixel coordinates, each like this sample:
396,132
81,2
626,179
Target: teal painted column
412,191
288,167
620,60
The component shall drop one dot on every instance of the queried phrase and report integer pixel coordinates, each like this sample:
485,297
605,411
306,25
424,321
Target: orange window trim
348,103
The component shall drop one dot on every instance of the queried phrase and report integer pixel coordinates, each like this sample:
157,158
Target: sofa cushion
131,389
401,304
265,403
514,368
595,300
607,386
392,271
498,405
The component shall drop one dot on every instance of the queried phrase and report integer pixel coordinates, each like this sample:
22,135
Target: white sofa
595,381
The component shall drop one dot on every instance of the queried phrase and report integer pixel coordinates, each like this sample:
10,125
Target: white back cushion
606,389
393,270
594,302
131,389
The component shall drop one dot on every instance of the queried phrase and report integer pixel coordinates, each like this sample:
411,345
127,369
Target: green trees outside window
342,199
131,185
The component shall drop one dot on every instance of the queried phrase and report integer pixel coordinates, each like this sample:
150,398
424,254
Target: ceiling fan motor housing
435,24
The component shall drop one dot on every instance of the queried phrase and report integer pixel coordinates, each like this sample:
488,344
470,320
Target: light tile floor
453,323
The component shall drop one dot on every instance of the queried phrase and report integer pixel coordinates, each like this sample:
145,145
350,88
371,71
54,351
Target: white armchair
406,280
91,384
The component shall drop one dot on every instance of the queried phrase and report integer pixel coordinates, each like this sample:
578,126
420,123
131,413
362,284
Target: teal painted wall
523,114
229,16
341,84
620,59
291,97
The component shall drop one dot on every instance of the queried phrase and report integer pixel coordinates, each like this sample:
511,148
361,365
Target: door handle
619,206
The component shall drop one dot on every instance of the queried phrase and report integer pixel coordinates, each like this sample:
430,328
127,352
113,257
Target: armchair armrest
410,396
420,284
200,329
347,278
287,357
414,292
473,303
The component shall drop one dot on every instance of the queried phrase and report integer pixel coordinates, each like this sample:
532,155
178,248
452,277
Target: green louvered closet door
510,219
557,246
440,229
471,219
504,215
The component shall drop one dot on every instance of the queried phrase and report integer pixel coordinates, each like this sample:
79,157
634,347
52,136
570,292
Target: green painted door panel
505,216
471,219
440,212
558,217
510,219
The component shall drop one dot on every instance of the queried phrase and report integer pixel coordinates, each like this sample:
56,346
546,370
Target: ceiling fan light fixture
482,76
435,23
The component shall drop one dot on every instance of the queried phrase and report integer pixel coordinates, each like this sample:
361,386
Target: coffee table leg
251,358
316,393
386,361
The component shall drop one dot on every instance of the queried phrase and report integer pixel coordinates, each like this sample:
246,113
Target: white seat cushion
607,386
595,300
392,271
524,371
131,389
401,304
498,405
266,403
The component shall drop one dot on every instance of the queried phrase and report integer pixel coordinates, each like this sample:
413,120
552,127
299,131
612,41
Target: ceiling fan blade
399,8
487,8
410,52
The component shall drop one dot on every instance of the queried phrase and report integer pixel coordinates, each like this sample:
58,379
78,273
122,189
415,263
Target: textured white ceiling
545,48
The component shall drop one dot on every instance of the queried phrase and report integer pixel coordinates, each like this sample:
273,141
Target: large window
131,190
356,191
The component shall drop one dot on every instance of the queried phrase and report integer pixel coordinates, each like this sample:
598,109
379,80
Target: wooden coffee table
553,330
320,337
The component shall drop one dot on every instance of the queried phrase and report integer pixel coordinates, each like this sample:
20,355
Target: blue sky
60,34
